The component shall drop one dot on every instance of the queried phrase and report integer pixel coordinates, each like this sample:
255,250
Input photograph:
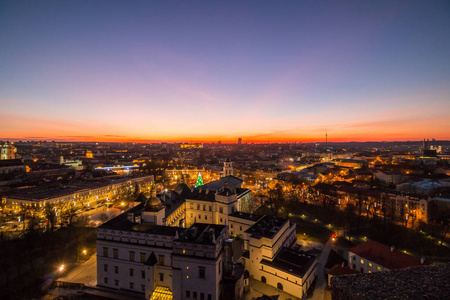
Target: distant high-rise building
239,141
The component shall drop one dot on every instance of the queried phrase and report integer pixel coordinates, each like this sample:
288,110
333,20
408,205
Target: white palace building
197,243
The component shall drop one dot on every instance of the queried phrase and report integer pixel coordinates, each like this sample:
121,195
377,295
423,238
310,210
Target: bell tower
227,168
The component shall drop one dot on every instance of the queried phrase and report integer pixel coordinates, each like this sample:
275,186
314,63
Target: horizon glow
205,72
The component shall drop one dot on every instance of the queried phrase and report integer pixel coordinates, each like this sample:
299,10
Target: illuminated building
140,252
7,151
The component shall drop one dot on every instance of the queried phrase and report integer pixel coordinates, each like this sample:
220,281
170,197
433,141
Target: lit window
131,255
161,260
370,265
362,261
378,269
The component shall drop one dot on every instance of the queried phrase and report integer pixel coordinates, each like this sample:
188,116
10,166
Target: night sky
210,70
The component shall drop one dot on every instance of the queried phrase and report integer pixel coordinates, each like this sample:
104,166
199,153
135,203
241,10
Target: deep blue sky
204,70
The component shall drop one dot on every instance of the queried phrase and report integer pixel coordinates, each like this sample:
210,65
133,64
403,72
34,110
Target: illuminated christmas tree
199,180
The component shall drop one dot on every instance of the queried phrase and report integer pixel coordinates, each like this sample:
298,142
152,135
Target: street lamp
61,268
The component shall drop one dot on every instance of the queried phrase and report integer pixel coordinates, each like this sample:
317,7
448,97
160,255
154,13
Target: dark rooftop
246,216
122,223
267,227
426,282
233,183
10,163
292,261
200,233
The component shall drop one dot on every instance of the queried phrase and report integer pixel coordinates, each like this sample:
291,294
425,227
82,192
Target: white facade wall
143,278
363,265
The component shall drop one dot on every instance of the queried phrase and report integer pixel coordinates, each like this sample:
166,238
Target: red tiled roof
340,270
382,255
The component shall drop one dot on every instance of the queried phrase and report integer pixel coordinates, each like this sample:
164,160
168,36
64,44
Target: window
370,265
202,296
131,255
210,208
209,296
142,257
199,217
131,285
240,228
116,269
116,282
201,272
143,288
192,205
198,206
221,220
161,260
221,210
188,294
105,251
231,225
204,207
206,217
131,272
279,286
105,280
115,253
194,294
105,268
161,276
142,274
362,261
378,269
263,279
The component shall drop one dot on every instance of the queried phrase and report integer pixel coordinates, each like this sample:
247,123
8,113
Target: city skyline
207,72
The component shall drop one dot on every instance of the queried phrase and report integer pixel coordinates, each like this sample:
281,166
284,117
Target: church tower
227,168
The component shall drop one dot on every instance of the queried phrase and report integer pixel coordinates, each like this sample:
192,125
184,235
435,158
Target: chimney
228,262
392,248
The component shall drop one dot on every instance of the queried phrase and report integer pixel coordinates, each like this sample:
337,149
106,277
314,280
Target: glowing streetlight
84,252
61,268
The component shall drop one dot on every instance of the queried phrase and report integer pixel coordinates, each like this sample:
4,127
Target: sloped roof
233,183
382,255
341,270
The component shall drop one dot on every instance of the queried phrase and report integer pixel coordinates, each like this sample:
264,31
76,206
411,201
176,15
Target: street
85,273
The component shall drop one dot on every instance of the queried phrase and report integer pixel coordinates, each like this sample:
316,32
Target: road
321,282
85,273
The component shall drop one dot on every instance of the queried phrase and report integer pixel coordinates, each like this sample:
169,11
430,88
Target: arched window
263,279
279,286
